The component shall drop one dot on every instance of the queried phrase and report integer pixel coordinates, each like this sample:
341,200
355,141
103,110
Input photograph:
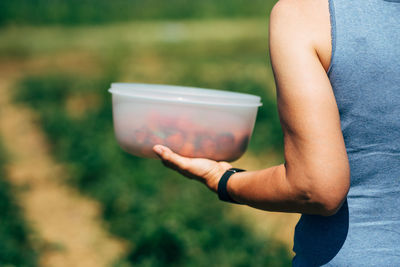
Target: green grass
74,12
15,245
22,41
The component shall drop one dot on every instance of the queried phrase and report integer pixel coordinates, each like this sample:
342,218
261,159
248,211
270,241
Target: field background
69,196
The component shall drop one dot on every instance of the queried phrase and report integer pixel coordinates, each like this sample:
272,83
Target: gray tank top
365,76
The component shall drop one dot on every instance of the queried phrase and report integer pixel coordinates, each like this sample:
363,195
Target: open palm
204,170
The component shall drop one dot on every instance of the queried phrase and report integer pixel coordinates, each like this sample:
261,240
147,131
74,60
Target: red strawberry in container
188,120
152,139
243,142
225,145
187,150
207,147
156,138
175,141
166,122
225,141
242,139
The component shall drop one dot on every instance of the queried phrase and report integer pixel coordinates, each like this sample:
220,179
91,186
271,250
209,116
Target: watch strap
222,185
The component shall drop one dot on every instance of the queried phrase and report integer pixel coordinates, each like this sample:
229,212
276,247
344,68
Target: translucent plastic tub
184,93
217,129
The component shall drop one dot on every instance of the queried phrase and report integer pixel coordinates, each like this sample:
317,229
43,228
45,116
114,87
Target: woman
336,66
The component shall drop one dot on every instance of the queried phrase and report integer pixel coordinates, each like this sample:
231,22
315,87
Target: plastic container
184,93
195,125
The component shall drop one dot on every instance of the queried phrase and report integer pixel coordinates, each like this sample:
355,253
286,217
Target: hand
206,171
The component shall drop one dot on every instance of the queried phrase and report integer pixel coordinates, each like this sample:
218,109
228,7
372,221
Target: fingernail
158,149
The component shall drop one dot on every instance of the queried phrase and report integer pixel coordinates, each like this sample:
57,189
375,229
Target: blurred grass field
166,220
16,245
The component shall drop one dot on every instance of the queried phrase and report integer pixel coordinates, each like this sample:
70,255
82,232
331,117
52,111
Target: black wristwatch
222,192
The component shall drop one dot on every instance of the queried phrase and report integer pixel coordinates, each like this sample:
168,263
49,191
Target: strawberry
155,140
208,147
187,150
175,141
225,141
243,142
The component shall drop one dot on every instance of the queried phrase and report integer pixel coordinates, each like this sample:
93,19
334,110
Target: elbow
329,199
324,198
330,205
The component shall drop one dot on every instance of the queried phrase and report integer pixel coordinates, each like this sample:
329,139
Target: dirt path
67,222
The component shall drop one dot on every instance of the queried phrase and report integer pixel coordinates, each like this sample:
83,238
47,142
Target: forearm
272,190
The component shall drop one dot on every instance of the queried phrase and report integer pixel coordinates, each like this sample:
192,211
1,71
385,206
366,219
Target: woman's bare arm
315,176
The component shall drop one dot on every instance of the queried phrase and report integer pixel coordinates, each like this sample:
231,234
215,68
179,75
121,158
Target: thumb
170,158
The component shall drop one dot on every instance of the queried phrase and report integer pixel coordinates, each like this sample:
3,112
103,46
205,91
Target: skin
315,177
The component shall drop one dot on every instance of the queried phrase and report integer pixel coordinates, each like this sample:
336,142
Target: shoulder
303,10
289,7
289,19
290,24
302,23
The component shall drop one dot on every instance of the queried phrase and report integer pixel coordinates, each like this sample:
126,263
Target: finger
171,159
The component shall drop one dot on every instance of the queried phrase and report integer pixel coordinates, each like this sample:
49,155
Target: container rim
185,101
194,91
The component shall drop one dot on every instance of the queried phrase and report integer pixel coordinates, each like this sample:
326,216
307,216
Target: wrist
216,174
223,193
